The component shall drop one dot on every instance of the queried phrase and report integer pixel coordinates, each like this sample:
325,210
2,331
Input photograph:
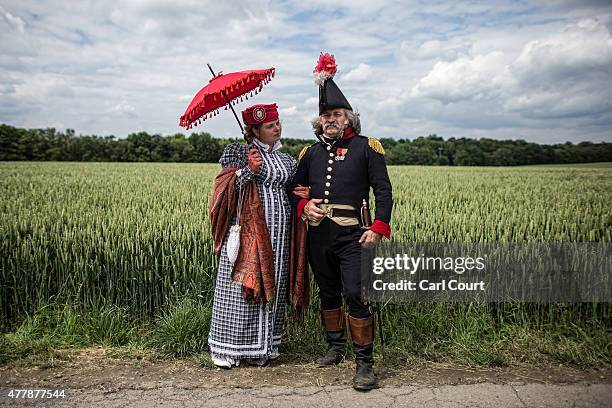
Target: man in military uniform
340,170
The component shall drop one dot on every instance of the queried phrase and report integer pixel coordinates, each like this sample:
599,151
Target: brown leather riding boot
362,334
335,334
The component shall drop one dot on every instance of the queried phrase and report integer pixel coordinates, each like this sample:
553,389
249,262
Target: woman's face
269,132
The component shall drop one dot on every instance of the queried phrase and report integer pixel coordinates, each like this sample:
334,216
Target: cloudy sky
539,71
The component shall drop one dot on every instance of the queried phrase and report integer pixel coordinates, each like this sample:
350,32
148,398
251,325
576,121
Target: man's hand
302,192
369,238
312,212
254,160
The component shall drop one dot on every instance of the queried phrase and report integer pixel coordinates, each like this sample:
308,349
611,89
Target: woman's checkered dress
243,330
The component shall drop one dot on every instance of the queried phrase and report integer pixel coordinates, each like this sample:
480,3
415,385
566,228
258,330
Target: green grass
182,330
121,255
467,334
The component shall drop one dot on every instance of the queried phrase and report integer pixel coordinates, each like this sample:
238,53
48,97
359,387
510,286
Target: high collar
348,133
265,147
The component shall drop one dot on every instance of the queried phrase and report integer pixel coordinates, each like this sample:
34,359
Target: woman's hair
353,122
249,135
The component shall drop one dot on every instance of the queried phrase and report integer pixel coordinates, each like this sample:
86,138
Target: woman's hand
254,160
302,192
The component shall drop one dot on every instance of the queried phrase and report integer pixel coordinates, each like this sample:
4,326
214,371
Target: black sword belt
339,212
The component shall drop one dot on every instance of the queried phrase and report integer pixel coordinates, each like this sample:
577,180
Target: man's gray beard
338,135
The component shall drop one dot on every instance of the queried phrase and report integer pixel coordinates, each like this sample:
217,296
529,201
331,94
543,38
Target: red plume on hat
326,68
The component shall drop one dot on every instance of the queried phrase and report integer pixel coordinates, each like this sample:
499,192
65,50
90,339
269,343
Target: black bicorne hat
330,96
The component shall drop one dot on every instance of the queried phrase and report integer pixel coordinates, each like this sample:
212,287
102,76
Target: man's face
333,121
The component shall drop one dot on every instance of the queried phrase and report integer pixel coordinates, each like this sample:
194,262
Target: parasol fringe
233,90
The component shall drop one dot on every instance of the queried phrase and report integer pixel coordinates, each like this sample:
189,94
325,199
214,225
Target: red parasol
223,90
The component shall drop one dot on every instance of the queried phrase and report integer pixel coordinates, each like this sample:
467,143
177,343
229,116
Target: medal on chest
341,153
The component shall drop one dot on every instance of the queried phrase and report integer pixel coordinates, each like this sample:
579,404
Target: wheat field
137,236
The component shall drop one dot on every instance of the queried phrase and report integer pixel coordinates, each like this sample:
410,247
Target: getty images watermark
535,272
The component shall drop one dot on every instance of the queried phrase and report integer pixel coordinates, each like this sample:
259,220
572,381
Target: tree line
52,145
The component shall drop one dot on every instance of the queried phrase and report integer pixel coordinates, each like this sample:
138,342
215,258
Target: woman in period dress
241,329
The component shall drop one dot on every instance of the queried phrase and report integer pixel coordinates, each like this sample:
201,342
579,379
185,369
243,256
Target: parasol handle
211,70
228,101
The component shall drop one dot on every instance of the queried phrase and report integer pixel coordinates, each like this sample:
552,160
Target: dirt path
91,378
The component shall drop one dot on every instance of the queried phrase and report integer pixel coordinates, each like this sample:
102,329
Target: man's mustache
334,124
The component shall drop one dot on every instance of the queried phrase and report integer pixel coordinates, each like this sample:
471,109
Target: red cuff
382,228
300,206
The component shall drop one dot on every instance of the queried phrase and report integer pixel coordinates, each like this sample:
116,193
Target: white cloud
580,49
564,74
311,102
432,49
12,20
290,111
465,78
360,73
124,109
411,68
43,87
545,104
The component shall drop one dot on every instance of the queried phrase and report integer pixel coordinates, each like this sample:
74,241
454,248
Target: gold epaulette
303,152
376,145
